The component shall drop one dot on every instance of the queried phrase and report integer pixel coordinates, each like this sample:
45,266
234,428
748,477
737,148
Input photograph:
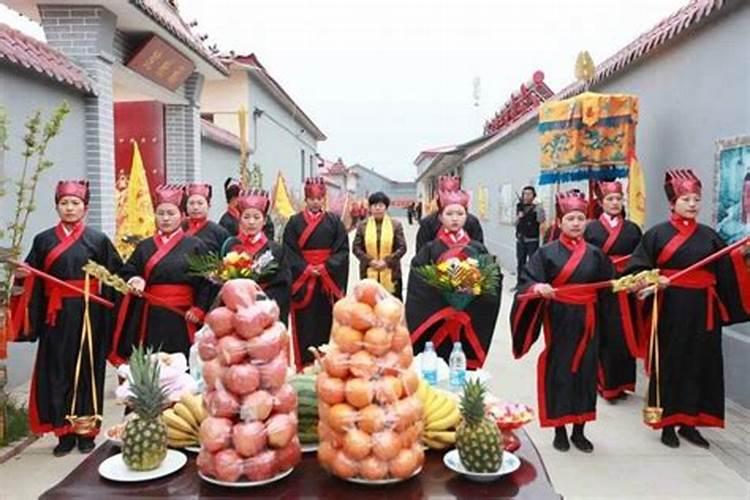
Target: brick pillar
85,34
183,134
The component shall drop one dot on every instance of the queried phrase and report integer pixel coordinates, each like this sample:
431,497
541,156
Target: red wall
144,122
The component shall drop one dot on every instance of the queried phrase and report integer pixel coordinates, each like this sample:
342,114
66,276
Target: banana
182,411
441,409
178,435
194,402
176,422
431,395
422,391
181,443
447,437
446,422
435,445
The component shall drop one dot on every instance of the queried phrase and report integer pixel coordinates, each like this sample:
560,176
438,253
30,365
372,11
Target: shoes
580,442
86,444
65,446
692,435
669,438
561,442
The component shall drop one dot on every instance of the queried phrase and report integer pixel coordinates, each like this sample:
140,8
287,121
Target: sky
385,79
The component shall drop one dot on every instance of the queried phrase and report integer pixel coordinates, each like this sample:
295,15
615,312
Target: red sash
195,227
613,233
55,293
684,232
701,279
162,249
313,221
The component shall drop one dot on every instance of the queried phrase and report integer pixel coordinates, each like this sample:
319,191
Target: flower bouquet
234,265
462,280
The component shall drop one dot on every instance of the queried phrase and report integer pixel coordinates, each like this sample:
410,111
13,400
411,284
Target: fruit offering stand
308,480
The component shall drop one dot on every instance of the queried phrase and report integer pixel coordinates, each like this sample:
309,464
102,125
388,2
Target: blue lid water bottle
457,363
429,364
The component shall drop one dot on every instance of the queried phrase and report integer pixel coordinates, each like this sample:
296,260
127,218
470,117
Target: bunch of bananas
183,421
441,416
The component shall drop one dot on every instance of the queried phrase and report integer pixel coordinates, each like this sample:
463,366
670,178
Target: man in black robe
617,237
198,202
316,245
253,207
529,218
55,316
430,224
566,385
231,218
692,308
167,303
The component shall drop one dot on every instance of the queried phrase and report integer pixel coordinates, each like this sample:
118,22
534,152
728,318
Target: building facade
401,193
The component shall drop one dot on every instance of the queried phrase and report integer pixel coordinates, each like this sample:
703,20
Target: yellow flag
135,217
282,203
637,193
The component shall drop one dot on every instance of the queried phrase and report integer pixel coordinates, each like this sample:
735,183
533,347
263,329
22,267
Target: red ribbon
56,293
455,322
588,299
697,280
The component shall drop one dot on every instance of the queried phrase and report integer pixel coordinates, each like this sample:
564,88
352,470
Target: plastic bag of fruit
370,419
251,431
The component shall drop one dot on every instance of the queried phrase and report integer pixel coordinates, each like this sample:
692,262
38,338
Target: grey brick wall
183,134
86,34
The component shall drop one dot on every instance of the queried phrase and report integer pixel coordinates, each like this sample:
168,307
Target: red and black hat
170,193
77,188
570,201
681,181
199,189
453,197
604,188
315,187
449,183
255,198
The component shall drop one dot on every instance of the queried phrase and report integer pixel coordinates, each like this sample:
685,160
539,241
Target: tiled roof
219,135
691,15
162,12
27,52
529,96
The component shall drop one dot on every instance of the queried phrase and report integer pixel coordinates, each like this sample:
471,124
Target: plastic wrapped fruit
370,420
251,431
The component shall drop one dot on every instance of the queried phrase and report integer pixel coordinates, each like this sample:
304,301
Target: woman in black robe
316,248
692,310
617,237
231,218
428,315
253,207
566,373
55,316
159,267
429,227
198,202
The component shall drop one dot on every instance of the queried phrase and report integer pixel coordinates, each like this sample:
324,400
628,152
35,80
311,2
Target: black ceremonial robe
315,241
154,321
276,286
430,317
430,225
617,342
54,315
692,311
566,371
212,235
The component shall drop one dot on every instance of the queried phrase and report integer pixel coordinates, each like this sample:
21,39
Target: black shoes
669,437
580,442
561,442
65,446
692,435
86,444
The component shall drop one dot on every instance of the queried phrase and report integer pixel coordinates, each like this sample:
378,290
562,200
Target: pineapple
478,439
144,439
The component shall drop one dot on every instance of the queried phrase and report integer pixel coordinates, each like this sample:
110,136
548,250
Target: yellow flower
232,258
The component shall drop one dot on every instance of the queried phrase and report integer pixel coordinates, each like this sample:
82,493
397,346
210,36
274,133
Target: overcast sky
385,79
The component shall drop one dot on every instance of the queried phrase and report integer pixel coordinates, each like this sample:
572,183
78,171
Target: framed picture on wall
732,188
506,205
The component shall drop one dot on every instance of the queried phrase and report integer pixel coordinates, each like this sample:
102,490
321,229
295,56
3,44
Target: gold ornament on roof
585,68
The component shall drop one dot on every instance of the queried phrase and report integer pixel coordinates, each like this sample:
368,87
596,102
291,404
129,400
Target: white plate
193,449
309,447
511,463
245,484
378,482
115,469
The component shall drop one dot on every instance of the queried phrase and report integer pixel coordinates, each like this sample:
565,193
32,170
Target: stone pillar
183,134
85,34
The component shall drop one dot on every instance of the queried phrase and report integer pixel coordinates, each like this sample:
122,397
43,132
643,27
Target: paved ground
629,461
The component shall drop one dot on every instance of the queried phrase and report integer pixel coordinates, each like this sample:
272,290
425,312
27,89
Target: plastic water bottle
429,364
457,363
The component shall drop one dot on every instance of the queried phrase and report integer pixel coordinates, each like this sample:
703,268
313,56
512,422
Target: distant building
401,193
282,137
